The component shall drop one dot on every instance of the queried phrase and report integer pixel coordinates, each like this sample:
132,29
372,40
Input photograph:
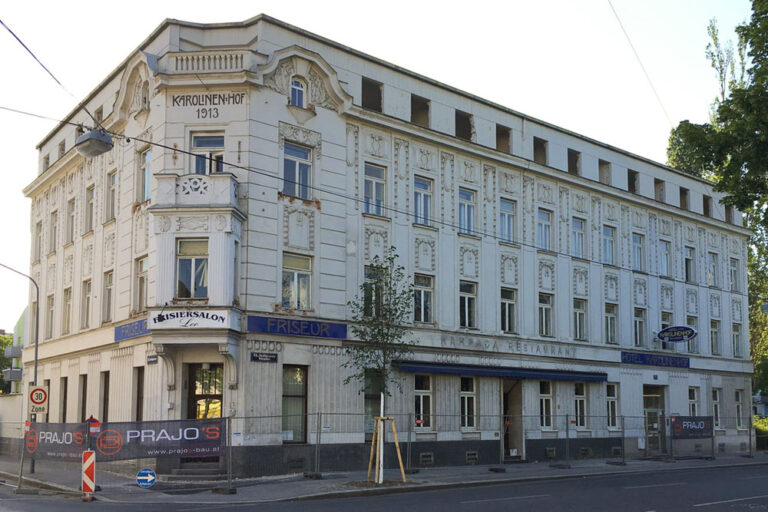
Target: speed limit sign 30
38,400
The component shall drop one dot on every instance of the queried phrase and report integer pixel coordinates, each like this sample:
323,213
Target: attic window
79,130
604,168
729,214
46,162
540,151
371,94
503,141
707,206
658,190
463,125
62,148
684,198
420,111
632,181
99,115
574,162
297,93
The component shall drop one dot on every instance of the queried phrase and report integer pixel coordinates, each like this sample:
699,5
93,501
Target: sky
565,62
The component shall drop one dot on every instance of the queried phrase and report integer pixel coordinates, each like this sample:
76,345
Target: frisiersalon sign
189,319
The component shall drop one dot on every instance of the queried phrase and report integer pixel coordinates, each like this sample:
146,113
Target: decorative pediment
136,87
324,89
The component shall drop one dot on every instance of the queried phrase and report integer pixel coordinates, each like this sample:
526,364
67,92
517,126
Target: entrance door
205,390
653,409
512,407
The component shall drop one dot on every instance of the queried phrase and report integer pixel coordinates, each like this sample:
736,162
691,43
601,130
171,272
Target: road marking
655,485
753,477
504,499
730,501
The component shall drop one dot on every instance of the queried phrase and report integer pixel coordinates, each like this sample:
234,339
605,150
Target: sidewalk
118,488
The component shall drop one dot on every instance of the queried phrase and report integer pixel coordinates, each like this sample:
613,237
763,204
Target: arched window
297,93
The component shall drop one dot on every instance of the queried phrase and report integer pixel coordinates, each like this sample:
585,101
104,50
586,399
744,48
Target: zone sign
38,400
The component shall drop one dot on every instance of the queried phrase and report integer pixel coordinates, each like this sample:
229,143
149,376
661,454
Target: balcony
217,61
196,190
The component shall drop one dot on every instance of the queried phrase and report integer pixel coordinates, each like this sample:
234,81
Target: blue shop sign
131,330
294,327
655,359
676,334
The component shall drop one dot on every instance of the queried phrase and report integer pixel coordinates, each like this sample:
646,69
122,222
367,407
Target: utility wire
637,56
392,209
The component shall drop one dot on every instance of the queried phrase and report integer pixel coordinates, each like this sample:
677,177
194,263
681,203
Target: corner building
203,266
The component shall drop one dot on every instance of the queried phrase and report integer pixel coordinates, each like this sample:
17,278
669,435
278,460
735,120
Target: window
684,198
580,404
375,181
714,337
145,176
297,167
612,404
420,111
545,314
422,298
297,93
579,319
98,114
66,311
693,401
467,298
739,399
104,413
63,385
604,170
707,206
463,125
422,200
70,220
89,209
371,95
142,266
639,327
736,339
610,323
666,321
633,181
83,396
109,212
106,313
577,237
192,269
507,220
574,162
46,162
544,229
690,264
664,255
294,404
545,404
609,245
716,392
466,211
508,310
62,148
503,139
85,308
712,268
53,232
468,400
38,250
372,402
735,275
540,151
658,190
138,378
297,279
49,312
208,153
638,252
423,401
373,296
693,345
729,214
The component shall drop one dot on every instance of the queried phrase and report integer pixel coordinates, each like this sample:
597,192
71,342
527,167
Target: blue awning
495,371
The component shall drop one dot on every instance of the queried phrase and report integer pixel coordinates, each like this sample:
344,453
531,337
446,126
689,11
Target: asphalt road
702,490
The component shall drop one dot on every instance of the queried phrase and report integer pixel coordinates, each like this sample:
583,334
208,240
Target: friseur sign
295,327
188,319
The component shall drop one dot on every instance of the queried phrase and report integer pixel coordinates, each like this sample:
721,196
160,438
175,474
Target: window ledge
509,243
307,202
581,259
88,233
375,216
51,253
425,226
548,252
69,244
469,235
109,221
189,302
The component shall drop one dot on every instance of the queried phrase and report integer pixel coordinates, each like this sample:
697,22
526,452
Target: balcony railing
219,189
206,62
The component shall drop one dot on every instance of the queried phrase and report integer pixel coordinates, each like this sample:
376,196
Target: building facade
203,266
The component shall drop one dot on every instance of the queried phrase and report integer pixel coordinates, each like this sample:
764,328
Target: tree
6,340
732,151
381,316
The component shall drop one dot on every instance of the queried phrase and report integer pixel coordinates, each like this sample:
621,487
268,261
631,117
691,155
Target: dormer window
297,93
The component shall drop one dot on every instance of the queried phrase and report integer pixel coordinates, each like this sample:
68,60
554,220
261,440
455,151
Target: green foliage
761,431
6,340
381,315
732,151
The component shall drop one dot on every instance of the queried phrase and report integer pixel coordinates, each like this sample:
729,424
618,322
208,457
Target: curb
39,484
442,485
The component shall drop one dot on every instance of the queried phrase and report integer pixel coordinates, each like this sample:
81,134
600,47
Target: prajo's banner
691,427
128,440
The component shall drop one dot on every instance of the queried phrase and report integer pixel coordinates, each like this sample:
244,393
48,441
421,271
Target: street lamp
93,143
37,337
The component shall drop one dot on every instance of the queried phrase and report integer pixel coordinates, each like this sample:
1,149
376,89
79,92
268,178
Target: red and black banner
128,440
